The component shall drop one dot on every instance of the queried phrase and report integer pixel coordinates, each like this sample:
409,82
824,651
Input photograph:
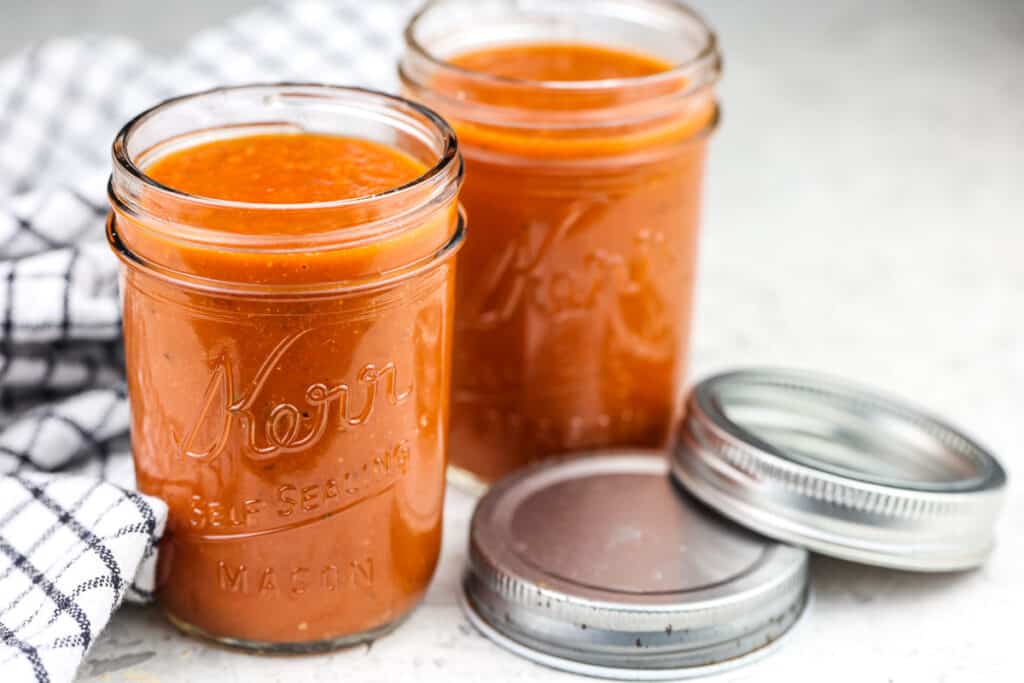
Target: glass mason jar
574,305
288,371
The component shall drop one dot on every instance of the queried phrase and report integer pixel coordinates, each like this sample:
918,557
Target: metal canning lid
600,565
818,462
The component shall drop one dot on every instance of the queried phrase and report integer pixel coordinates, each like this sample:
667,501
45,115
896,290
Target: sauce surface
573,309
286,169
286,172
570,62
298,440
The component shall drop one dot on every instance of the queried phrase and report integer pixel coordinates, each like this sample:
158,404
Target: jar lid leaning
825,464
600,565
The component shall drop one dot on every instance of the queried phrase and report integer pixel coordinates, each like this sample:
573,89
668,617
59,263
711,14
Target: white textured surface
865,217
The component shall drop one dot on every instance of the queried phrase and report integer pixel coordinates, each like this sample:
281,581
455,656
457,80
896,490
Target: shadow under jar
583,126
288,354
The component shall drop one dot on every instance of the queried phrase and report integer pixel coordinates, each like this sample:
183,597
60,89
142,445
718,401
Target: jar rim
447,158
706,56
135,194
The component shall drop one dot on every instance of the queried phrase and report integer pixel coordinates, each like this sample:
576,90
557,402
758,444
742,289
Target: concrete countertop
865,216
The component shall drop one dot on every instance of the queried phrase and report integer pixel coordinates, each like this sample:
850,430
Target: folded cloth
75,539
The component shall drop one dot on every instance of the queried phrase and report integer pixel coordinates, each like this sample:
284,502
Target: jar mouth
124,161
697,70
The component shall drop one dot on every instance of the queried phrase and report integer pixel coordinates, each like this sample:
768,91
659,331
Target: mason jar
584,127
288,370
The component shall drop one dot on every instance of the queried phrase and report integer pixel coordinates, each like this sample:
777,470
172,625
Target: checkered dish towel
75,539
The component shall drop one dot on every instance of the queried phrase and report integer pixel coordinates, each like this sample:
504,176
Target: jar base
269,648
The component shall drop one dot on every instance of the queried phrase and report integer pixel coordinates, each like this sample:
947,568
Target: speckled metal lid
819,462
602,566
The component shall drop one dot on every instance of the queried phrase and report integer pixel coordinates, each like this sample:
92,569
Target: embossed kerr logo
288,428
524,274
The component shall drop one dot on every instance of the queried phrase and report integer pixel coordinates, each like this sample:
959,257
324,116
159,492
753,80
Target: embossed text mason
288,285
584,126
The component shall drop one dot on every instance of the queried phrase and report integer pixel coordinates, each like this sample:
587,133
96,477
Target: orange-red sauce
573,310
560,62
299,440
286,169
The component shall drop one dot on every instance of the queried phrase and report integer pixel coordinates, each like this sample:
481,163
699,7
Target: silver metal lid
602,566
821,463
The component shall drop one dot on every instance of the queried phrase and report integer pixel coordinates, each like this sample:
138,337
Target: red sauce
573,311
560,62
286,169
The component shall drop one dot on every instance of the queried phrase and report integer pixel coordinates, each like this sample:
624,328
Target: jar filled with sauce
288,288
583,126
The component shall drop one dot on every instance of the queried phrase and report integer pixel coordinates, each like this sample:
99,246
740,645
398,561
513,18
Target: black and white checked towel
75,539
